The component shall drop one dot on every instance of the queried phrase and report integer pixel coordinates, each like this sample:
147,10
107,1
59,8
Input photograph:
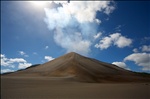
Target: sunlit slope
80,68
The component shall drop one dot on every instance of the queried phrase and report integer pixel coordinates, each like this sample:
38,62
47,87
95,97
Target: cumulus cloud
74,24
114,39
135,50
24,65
11,62
141,59
145,48
123,42
73,42
23,53
48,58
6,70
104,43
97,21
97,35
121,64
3,60
17,60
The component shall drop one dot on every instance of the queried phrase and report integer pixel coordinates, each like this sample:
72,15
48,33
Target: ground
60,88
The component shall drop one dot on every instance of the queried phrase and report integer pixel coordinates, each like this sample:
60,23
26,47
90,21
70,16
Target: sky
35,32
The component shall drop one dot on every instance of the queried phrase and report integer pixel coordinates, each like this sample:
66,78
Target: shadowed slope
80,68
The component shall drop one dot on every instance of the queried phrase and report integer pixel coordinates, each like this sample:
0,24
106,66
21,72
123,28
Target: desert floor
58,88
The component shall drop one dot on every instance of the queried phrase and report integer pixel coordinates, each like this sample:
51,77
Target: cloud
85,11
6,70
145,48
141,59
9,62
114,39
24,65
97,35
46,47
12,62
135,50
97,21
3,60
121,64
48,58
74,24
104,43
123,42
73,42
23,53
17,60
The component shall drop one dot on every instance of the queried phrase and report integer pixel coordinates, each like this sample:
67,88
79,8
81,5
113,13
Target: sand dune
73,76
83,69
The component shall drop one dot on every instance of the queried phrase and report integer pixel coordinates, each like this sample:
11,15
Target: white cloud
12,62
17,60
97,21
46,47
146,48
121,64
114,39
109,9
135,50
141,59
23,53
6,70
97,35
143,48
123,42
74,24
9,62
2,56
24,65
3,60
73,42
85,11
48,58
104,43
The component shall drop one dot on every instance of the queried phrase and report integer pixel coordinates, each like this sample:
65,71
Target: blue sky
35,32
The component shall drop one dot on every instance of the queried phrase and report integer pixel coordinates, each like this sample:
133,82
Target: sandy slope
68,77
83,69
57,88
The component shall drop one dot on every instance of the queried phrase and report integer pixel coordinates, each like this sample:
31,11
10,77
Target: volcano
83,69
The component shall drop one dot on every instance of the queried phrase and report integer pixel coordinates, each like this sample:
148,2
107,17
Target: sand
60,88
82,68
68,77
